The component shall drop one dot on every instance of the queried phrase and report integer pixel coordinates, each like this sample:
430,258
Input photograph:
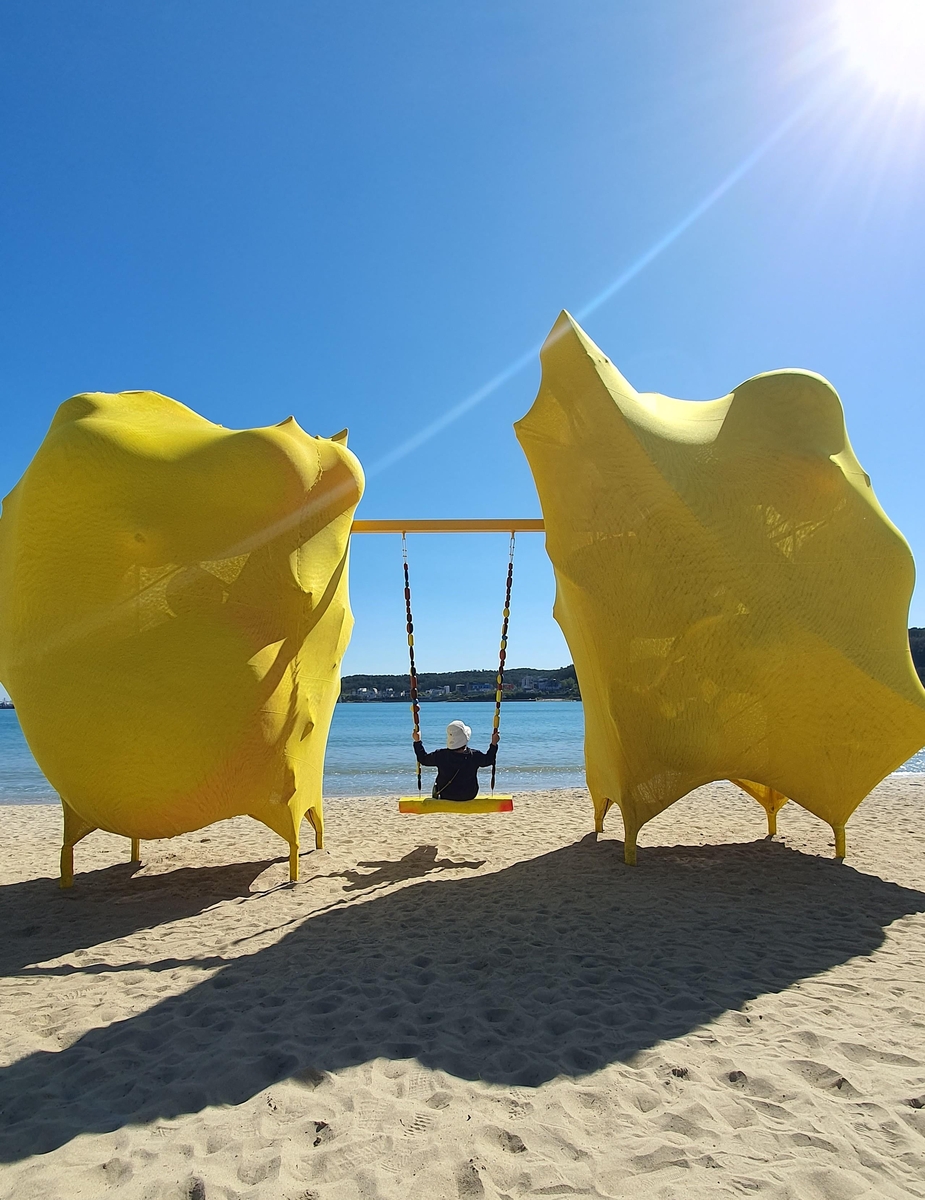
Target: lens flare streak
626,276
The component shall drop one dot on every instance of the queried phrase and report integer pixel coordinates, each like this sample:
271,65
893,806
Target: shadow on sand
558,965
40,921
414,865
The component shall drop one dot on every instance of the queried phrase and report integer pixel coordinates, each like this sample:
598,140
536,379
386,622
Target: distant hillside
520,683
480,685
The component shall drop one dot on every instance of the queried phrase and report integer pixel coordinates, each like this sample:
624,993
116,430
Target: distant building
533,684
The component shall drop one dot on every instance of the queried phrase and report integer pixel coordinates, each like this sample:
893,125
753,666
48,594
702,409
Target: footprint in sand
310,1078
468,1182
323,1133
868,1054
418,1082
331,1167
266,1171
419,1123
510,1142
820,1076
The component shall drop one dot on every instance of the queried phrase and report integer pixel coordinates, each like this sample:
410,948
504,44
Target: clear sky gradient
367,214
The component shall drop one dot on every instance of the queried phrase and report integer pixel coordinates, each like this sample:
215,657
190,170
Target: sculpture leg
629,844
286,821
769,798
839,831
317,821
600,812
67,867
75,828
136,850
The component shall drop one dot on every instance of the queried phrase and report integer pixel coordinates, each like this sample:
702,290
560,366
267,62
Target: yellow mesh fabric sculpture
734,596
173,612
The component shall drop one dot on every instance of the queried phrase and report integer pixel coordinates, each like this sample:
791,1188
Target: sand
482,1007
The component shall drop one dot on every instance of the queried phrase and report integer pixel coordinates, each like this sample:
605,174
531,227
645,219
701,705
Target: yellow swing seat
481,804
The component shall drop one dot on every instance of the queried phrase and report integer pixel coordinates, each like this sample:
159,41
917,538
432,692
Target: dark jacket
457,770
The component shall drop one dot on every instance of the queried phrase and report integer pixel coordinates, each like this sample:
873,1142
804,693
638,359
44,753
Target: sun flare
886,40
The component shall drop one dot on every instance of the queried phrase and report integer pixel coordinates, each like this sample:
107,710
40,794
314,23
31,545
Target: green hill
520,683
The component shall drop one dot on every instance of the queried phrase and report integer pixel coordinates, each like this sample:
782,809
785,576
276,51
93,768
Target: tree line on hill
520,683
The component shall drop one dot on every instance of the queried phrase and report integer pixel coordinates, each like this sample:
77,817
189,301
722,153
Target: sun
886,40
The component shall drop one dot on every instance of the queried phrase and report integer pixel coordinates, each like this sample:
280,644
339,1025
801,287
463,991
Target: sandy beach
483,1007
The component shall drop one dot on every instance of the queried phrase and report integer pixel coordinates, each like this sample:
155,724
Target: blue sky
361,213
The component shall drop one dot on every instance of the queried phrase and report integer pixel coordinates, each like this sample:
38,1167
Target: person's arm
487,758
425,759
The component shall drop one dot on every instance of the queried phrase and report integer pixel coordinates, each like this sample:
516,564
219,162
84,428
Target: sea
369,749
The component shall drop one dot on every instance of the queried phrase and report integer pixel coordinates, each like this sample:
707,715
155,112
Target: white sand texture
470,1007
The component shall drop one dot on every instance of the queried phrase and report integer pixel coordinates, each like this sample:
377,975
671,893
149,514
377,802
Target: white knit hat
457,735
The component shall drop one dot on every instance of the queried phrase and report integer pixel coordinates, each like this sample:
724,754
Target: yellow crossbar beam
514,525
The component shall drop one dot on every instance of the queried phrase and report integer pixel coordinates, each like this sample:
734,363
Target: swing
481,804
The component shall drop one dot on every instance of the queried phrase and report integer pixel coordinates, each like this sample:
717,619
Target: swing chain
409,624
505,618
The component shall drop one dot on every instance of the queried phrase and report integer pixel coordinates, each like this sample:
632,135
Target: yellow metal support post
439,525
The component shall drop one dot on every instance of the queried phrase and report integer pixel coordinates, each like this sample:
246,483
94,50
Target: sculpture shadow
559,965
42,922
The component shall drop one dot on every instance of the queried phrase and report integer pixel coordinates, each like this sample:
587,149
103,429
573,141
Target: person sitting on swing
457,765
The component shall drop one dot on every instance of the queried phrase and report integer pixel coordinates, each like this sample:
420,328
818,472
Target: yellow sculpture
173,612
734,596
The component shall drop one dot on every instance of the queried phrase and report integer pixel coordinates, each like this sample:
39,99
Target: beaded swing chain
506,616
415,710
412,671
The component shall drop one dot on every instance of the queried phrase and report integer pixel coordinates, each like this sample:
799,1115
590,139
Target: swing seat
481,804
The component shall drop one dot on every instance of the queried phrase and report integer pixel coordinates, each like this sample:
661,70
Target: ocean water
21,782
369,749
370,754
